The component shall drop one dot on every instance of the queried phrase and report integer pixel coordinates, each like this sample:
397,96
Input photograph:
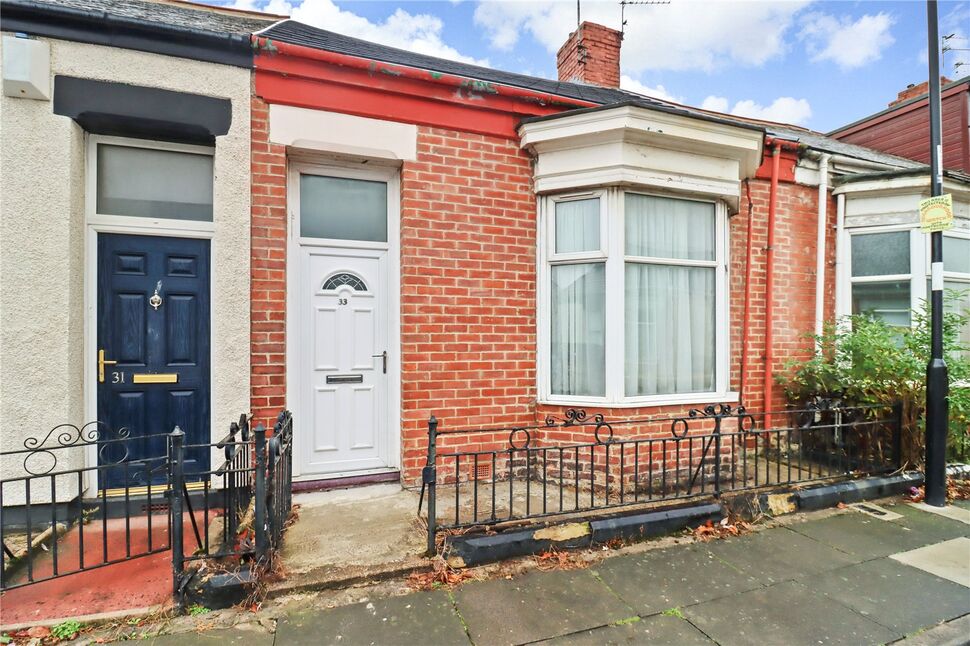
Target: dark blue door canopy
106,108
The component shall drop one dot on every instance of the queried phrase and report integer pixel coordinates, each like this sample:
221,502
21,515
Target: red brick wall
268,286
468,288
468,302
796,221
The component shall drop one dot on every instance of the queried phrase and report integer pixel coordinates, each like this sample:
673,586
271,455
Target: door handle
382,355
102,362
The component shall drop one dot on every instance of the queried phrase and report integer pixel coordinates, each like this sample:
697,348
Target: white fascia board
916,185
638,125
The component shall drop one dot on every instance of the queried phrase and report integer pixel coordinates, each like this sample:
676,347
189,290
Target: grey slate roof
182,15
297,33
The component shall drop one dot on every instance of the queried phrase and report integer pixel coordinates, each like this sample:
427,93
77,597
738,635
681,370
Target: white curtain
578,329
670,330
578,226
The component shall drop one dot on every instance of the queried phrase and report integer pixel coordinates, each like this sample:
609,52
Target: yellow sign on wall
936,213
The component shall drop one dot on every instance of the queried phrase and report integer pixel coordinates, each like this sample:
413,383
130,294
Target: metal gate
56,521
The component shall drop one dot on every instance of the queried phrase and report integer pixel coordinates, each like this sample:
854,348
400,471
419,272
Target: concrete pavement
848,578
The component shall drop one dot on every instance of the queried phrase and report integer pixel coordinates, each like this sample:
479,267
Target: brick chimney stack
914,90
591,55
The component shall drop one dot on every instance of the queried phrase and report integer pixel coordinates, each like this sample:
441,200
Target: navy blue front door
153,324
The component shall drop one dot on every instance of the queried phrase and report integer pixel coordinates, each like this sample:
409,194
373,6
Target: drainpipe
746,322
823,202
840,251
770,283
776,145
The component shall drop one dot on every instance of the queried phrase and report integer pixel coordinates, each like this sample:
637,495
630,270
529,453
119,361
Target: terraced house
208,212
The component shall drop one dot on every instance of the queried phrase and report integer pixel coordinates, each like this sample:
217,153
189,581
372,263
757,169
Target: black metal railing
47,530
279,473
51,527
585,463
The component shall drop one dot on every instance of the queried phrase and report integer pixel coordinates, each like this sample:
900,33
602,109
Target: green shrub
864,360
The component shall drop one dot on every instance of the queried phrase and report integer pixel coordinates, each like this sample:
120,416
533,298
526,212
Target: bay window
635,303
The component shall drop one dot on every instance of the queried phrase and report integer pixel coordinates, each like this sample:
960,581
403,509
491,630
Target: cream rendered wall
42,246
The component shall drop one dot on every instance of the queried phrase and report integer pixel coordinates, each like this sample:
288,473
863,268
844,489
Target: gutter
268,47
103,28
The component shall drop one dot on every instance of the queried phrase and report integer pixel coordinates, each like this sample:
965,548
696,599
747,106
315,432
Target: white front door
339,349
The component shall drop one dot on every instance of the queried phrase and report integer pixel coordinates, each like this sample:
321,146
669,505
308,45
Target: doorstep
348,536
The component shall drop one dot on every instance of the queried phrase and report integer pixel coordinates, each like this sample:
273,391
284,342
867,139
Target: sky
819,64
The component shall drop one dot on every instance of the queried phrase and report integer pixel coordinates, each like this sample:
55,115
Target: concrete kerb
472,550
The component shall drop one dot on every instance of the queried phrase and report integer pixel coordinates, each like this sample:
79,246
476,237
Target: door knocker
156,300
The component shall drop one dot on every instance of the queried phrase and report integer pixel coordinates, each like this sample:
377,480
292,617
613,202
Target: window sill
643,402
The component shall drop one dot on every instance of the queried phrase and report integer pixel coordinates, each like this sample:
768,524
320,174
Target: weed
66,629
673,612
196,609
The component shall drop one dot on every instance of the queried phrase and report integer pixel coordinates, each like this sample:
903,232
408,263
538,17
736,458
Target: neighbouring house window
636,294
881,276
341,208
154,183
956,278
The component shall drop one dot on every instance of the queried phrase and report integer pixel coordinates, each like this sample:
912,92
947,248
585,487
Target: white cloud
677,36
847,43
715,104
658,92
784,109
421,32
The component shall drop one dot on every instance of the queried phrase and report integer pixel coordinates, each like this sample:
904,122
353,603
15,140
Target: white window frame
613,255
133,222
916,254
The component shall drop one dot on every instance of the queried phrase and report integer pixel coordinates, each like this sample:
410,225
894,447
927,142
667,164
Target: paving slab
862,536
538,605
660,630
937,527
779,554
241,635
786,614
894,595
659,580
949,560
423,618
954,511
952,633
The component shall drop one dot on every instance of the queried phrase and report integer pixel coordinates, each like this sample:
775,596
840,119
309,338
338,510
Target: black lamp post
937,382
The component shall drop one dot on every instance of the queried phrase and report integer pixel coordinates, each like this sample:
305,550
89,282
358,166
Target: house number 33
341,301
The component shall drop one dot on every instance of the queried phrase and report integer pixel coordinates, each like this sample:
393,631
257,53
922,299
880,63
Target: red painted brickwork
268,286
468,289
591,55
